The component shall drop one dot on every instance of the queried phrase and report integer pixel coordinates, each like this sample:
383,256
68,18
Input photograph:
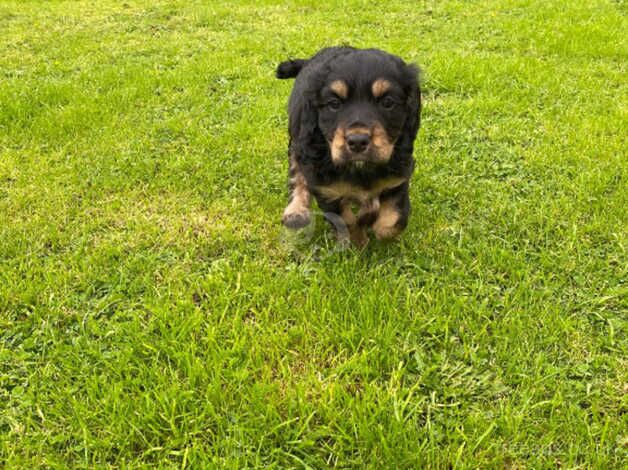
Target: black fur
311,123
290,68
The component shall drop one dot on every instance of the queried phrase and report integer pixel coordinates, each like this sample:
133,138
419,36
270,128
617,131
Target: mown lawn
153,311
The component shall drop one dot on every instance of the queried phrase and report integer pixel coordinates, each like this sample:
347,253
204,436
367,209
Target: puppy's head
367,100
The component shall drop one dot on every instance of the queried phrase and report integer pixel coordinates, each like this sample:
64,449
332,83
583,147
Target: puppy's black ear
304,121
413,103
290,68
309,120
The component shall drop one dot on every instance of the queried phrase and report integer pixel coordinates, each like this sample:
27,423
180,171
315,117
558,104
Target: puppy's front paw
359,237
296,218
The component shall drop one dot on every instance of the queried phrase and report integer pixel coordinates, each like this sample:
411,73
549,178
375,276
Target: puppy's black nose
358,142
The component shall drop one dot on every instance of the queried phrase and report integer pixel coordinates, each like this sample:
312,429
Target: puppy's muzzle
358,140
360,145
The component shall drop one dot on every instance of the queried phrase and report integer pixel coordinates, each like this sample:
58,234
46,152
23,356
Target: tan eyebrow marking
380,86
340,88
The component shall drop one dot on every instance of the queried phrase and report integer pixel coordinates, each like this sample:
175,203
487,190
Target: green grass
153,312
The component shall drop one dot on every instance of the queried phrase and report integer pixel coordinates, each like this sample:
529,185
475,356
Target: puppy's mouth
358,164
361,161
370,157
356,158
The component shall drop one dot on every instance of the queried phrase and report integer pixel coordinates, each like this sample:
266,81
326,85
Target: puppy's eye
334,104
387,102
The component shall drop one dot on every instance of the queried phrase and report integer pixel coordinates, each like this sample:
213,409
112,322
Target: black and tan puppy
353,118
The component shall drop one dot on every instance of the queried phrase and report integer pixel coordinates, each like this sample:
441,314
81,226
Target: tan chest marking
345,190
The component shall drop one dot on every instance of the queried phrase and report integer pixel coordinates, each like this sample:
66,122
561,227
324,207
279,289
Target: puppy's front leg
368,212
357,225
297,213
392,218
